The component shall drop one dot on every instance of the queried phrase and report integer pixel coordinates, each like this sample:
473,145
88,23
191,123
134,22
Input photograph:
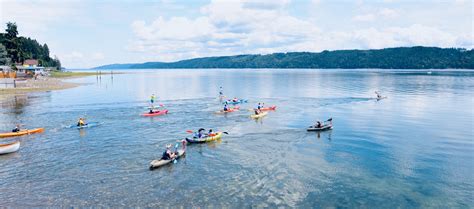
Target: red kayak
266,108
155,113
228,110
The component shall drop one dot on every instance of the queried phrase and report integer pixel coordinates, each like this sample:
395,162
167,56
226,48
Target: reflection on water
413,149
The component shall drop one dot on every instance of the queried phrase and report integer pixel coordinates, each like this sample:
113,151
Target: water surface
413,149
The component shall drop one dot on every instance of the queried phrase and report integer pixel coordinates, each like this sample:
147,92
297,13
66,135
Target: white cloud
389,13
74,55
225,27
364,18
403,36
241,27
379,14
35,16
79,58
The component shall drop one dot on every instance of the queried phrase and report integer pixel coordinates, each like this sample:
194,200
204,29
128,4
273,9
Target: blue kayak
88,125
240,101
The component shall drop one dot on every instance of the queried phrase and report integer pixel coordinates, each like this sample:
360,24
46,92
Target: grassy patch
58,74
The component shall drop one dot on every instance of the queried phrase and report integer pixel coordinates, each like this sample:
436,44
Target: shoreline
43,84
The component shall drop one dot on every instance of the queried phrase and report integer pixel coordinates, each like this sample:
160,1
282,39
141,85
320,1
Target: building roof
30,62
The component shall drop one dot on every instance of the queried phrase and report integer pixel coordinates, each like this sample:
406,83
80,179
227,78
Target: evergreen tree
4,60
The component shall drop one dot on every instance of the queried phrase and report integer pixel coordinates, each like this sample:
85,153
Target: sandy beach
56,81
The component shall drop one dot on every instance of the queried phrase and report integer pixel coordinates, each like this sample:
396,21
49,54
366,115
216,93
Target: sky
88,33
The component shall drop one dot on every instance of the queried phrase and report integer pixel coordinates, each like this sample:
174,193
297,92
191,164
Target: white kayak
9,148
322,128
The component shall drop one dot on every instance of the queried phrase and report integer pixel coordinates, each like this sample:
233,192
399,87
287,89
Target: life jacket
166,155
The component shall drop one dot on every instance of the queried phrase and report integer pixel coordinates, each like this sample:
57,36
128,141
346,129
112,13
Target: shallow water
413,149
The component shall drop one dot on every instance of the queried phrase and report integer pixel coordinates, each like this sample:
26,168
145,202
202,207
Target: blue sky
90,33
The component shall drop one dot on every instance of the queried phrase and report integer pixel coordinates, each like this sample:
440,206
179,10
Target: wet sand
40,85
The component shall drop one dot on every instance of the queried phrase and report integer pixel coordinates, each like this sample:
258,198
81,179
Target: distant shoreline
418,57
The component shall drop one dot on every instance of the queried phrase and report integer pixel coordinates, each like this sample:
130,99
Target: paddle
330,121
176,152
189,131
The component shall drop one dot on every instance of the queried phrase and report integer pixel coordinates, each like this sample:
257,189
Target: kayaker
318,124
257,111
16,129
151,111
225,107
168,154
235,99
210,133
378,95
200,133
81,122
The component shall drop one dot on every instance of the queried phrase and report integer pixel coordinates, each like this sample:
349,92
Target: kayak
262,114
88,125
159,112
266,108
158,163
234,103
323,128
228,110
217,136
9,148
22,132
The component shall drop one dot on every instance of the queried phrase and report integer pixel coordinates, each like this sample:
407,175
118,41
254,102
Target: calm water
413,149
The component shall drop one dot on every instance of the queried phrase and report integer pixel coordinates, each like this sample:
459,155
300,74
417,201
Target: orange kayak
228,110
266,108
22,132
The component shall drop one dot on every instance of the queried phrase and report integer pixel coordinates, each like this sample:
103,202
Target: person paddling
81,122
225,107
16,129
378,95
211,133
318,124
257,111
168,154
200,133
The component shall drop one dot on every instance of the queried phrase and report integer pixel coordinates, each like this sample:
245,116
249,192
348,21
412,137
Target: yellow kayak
260,115
216,136
22,132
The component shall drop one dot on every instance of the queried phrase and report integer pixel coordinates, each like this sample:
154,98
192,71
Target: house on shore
30,67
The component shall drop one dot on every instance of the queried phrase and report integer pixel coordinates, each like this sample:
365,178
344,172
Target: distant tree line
19,49
391,58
